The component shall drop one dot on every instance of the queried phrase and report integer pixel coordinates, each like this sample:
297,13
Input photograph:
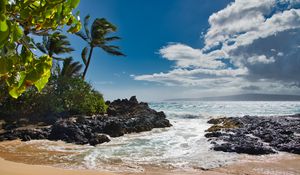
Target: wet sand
277,164
12,168
28,160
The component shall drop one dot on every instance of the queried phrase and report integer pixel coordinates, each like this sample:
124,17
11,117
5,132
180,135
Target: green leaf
5,66
75,28
47,60
33,76
3,23
3,6
19,22
16,88
14,92
22,76
16,32
4,32
40,84
26,55
74,3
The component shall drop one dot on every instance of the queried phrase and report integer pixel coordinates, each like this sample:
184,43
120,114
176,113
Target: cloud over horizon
250,46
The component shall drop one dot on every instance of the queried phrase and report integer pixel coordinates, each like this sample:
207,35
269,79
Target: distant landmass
244,97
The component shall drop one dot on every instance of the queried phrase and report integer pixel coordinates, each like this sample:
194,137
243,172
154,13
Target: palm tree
55,44
100,36
70,68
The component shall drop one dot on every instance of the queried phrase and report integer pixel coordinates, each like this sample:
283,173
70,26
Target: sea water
182,146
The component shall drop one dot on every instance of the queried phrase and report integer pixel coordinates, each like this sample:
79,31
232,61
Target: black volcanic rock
129,108
25,134
68,131
123,116
98,139
114,128
257,135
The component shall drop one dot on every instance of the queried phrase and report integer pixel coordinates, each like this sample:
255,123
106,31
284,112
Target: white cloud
260,59
280,22
201,78
280,54
239,17
248,44
185,56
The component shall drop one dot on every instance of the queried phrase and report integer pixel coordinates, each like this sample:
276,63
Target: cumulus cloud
262,59
251,45
238,18
185,56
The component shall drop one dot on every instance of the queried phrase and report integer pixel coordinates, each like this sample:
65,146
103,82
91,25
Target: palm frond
58,58
41,47
58,44
70,68
76,68
113,50
82,35
84,54
45,40
65,67
102,27
113,38
86,26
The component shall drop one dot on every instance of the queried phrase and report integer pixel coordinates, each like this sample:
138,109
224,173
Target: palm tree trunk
88,63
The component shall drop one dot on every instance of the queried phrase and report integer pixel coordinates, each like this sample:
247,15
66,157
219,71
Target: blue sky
189,48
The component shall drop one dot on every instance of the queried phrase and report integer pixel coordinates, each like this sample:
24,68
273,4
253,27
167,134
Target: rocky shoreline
123,116
255,135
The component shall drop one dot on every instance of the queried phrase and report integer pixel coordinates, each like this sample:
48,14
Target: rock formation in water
256,135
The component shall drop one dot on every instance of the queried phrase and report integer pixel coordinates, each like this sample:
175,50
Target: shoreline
14,168
58,157
276,164
285,165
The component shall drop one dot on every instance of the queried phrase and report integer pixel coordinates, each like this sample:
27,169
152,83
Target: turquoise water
181,146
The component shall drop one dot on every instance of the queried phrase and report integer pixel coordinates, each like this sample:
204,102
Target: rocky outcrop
76,132
256,135
223,123
123,116
25,134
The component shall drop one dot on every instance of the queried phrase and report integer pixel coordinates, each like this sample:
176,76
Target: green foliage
98,36
20,68
70,68
78,97
61,97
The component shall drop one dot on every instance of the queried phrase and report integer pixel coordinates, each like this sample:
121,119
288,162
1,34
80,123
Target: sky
196,48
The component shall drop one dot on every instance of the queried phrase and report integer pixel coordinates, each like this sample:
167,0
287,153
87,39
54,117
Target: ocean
182,146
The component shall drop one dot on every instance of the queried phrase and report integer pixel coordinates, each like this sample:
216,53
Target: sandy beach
13,168
284,166
18,163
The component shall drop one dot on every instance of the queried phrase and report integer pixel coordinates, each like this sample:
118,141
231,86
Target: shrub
62,97
78,97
